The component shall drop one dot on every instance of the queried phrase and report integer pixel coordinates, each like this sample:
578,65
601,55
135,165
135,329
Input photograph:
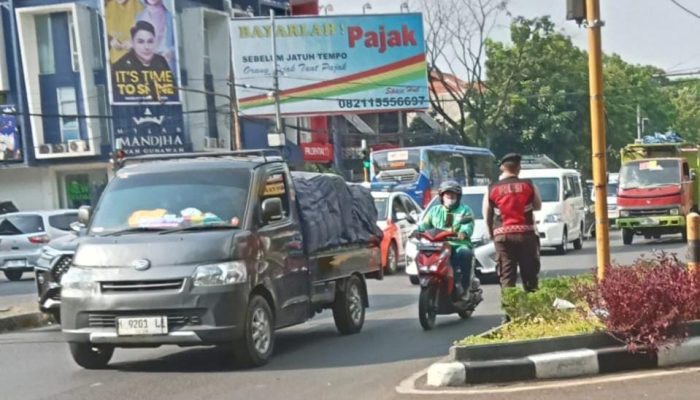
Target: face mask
449,202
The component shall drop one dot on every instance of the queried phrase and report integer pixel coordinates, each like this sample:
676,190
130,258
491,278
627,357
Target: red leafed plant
645,303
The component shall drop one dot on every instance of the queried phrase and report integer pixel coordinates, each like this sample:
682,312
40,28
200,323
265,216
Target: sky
655,32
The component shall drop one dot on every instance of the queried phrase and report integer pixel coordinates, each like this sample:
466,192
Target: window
12,225
380,203
103,110
574,186
44,40
397,206
68,109
276,186
62,222
98,59
686,172
447,167
548,188
75,55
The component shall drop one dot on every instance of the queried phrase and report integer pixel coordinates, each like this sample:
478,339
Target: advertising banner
142,49
10,139
331,64
142,130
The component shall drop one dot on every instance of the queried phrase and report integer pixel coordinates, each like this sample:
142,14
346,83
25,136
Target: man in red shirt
509,208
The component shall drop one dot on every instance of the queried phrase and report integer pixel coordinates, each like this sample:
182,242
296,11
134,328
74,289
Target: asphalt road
311,362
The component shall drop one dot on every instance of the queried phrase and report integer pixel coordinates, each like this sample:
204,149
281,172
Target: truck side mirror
693,175
568,194
84,215
272,210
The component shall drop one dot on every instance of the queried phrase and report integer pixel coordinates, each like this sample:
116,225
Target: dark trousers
518,249
461,261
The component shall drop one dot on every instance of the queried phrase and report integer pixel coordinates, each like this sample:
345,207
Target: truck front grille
649,212
176,318
141,286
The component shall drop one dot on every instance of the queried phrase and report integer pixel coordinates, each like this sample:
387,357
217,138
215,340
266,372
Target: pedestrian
509,211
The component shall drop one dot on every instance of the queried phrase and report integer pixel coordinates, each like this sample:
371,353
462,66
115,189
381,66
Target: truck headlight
78,282
219,274
674,211
624,213
552,218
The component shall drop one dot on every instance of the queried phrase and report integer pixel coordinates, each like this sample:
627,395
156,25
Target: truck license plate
142,326
16,263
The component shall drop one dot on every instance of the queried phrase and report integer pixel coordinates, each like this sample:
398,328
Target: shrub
519,304
645,303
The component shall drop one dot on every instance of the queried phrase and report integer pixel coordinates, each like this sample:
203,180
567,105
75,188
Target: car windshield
381,205
650,173
170,200
548,188
12,225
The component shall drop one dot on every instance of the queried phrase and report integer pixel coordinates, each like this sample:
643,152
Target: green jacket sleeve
467,228
426,223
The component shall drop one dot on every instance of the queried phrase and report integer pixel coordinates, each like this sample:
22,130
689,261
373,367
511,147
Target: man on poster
142,74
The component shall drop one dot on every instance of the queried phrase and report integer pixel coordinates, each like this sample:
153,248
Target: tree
685,98
546,109
456,34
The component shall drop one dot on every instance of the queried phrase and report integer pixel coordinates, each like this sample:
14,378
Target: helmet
450,186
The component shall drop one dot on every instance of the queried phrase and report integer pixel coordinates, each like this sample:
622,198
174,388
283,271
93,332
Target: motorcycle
437,285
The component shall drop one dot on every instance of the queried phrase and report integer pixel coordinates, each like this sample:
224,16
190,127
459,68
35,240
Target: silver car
23,234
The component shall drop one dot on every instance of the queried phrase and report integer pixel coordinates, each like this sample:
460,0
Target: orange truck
658,187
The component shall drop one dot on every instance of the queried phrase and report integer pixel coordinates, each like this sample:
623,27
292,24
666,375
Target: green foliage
520,304
535,317
566,324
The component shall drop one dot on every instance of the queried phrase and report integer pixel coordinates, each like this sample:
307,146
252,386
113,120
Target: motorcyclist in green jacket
450,214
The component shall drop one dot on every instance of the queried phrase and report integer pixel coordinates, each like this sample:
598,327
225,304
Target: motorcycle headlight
78,282
674,211
624,213
220,274
552,218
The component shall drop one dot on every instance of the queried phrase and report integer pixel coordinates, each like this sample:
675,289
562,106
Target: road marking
407,386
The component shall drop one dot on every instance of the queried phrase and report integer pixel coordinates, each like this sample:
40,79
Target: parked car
23,234
485,258
561,219
55,260
222,249
397,215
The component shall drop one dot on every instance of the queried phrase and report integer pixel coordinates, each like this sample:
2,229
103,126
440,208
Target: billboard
142,51
10,140
331,64
142,130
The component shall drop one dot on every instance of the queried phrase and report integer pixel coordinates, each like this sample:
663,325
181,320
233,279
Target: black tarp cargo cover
334,213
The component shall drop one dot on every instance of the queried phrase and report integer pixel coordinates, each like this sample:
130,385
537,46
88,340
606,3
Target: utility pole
595,69
275,74
639,124
235,120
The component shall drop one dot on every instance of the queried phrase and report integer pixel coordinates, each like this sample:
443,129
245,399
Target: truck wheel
561,249
349,308
627,236
91,357
255,347
427,307
414,279
13,275
392,260
465,314
578,243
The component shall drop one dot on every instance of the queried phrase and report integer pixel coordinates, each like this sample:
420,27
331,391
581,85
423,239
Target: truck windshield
650,173
177,199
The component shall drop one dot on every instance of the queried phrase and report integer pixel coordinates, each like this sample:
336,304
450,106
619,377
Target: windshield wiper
208,227
133,229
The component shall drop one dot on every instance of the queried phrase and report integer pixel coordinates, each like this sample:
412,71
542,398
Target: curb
561,364
24,321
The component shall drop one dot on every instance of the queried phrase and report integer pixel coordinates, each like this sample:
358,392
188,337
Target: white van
561,220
